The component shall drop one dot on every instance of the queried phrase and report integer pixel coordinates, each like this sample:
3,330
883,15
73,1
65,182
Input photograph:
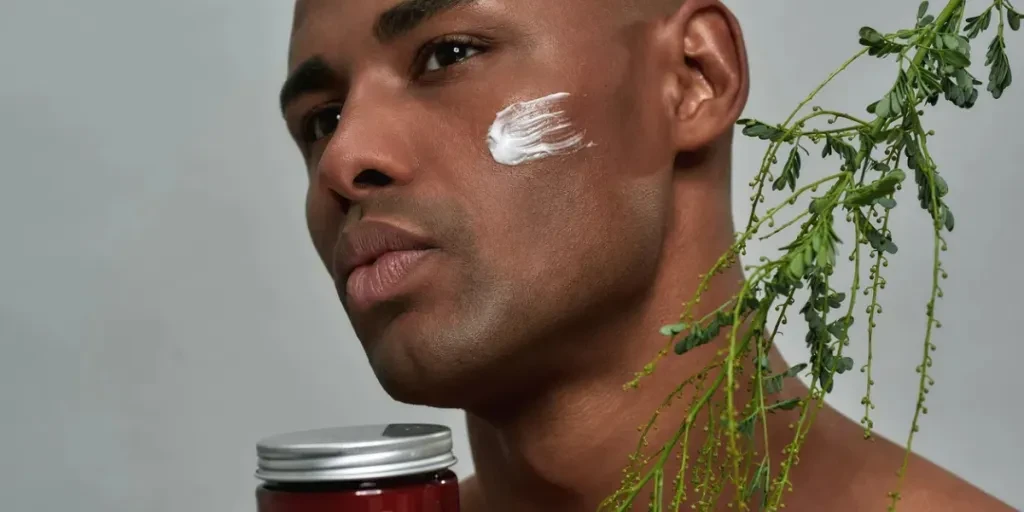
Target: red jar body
395,467
435,492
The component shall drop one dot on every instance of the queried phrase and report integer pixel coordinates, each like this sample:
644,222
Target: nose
370,150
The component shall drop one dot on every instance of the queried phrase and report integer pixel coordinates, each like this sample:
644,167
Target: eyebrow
409,14
312,75
316,74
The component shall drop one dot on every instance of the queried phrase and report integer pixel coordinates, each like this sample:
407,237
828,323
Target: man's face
493,267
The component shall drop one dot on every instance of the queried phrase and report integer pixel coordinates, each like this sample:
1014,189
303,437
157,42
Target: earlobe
710,82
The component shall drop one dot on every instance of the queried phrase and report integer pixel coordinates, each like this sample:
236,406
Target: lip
376,258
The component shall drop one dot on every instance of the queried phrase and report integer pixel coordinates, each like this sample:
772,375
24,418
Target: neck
564,449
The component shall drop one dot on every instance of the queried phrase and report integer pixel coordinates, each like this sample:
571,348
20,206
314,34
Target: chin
425,394
419,369
456,356
439,373
440,388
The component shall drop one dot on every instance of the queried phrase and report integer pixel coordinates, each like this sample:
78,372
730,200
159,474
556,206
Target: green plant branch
933,60
926,361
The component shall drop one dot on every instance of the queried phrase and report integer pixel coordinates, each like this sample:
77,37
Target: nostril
372,178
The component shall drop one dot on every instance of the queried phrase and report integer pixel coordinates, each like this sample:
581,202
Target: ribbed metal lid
355,453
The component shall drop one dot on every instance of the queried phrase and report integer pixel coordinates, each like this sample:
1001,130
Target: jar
369,468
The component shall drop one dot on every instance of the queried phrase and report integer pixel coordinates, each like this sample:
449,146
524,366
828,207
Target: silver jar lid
356,453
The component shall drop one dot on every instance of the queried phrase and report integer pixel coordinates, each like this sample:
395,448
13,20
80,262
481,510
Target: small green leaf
794,371
922,9
975,25
825,258
925,21
891,248
790,171
883,108
818,205
870,37
955,58
673,329
961,93
941,188
878,241
842,148
836,330
760,480
746,427
963,45
948,218
890,137
928,80
796,267
950,41
754,128
964,79
1014,18
1000,76
785,405
698,337
845,365
886,202
882,187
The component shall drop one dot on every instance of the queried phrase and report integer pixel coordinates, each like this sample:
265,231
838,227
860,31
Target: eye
444,53
321,124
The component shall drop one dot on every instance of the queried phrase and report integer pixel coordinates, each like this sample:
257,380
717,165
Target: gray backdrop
161,307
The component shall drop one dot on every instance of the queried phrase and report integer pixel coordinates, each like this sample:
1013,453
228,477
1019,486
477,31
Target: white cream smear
530,130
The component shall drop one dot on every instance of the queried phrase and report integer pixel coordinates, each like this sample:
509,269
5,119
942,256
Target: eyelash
427,52
418,72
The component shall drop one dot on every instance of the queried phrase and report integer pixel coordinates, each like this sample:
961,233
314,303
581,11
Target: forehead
306,8
321,24
363,12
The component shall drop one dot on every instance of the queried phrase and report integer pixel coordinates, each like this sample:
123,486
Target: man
511,197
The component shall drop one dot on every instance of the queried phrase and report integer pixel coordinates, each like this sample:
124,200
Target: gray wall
161,307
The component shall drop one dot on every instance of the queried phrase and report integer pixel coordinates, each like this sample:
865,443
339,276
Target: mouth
378,262
384,278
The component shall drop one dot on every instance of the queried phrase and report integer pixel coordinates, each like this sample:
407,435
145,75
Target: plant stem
929,167
770,155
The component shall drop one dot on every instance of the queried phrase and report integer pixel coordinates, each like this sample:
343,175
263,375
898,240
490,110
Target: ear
708,81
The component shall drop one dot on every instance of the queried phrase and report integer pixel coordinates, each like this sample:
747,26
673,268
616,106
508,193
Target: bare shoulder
852,474
927,488
935,489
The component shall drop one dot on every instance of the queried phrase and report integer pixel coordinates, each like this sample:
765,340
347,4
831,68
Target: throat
567,453
566,450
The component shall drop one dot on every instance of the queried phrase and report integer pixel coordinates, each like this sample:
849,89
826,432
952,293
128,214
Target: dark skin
548,280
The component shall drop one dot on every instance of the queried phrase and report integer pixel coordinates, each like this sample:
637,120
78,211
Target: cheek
324,220
540,227
575,242
545,216
528,131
